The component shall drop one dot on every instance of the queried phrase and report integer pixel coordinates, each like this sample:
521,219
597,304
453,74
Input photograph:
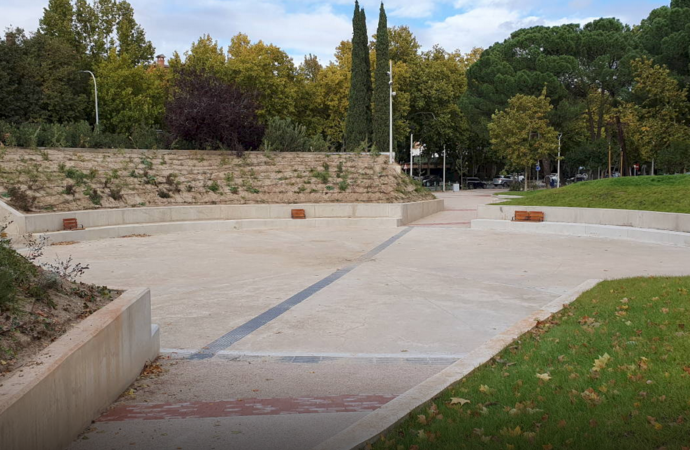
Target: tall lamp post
558,182
95,90
390,109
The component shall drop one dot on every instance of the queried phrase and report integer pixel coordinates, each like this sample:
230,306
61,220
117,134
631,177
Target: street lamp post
558,182
412,141
444,167
411,155
95,90
390,110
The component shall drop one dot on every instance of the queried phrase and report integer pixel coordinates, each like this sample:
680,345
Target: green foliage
16,273
358,125
77,175
522,134
132,98
214,187
283,135
322,176
343,185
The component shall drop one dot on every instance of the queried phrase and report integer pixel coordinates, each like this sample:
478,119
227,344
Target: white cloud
482,26
313,26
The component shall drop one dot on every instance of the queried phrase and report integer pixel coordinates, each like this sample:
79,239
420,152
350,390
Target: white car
505,181
502,181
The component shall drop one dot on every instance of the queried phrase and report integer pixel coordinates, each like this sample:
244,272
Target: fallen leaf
600,363
421,419
459,401
544,376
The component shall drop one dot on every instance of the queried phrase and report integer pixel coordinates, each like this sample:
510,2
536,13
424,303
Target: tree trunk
621,143
526,176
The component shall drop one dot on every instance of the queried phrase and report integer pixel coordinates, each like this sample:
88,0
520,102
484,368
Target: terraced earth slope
35,180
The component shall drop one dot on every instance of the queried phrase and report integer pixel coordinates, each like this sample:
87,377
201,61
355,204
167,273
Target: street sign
538,168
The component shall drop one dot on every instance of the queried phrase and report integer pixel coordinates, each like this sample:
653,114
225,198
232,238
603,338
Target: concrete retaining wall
90,234
49,222
50,403
594,216
588,230
14,218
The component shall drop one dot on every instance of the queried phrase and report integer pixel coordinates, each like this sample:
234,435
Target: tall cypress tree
381,89
358,121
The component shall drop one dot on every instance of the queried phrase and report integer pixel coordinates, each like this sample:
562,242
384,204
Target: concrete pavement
394,318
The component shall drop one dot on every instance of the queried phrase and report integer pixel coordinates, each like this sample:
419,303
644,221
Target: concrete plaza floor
428,295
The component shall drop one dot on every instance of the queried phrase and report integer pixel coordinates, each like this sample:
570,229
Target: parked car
474,183
502,181
506,181
432,180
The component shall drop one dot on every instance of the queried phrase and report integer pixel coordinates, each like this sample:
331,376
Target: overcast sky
308,26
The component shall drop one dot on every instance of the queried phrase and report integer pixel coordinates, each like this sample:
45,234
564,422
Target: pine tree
381,90
358,121
57,21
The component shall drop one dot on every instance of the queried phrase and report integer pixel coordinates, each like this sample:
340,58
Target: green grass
636,330
665,193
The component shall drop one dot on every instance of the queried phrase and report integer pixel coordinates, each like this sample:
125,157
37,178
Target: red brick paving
247,407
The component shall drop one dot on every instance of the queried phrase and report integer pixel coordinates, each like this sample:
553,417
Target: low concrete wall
16,220
51,402
594,216
91,234
408,212
587,230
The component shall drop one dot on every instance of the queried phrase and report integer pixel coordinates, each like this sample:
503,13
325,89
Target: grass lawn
665,193
611,371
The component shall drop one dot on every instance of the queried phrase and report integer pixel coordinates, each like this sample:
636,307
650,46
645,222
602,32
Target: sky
301,27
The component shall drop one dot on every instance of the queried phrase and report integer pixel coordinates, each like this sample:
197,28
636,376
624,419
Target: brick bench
299,214
528,216
71,224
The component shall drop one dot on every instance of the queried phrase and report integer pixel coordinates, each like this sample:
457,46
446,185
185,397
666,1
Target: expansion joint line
244,330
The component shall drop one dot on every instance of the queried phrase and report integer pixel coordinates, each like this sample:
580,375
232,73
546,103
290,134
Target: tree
20,93
266,70
130,96
665,35
310,68
522,133
205,55
106,24
660,110
332,89
210,113
40,79
58,20
437,85
358,122
382,89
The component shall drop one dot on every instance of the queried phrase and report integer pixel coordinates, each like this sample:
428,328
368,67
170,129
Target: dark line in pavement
224,342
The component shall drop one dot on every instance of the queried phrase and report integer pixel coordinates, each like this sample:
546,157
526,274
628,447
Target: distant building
160,61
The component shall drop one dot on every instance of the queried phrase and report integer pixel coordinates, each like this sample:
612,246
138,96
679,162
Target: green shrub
322,176
343,185
15,273
145,138
77,175
283,135
214,187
